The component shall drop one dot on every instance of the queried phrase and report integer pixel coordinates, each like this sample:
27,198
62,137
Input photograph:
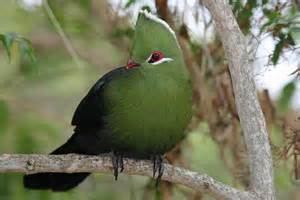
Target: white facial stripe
162,61
147,60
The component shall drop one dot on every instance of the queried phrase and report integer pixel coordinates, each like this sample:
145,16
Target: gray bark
71,163
249,110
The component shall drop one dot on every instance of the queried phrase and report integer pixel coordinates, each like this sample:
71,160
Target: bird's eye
155,56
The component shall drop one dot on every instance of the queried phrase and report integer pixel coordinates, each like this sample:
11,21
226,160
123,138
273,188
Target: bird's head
154,43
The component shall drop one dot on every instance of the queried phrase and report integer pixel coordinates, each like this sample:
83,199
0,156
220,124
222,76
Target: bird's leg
117,163
153,158
158,167
121,162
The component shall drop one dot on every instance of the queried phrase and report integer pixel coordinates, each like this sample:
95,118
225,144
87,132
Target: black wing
89,112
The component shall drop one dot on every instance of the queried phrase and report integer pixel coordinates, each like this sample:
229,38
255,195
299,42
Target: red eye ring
156,56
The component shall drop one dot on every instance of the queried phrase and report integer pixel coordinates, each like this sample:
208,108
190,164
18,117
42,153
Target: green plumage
149,113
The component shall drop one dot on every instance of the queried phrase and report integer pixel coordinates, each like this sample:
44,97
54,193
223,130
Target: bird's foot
117,163
158,167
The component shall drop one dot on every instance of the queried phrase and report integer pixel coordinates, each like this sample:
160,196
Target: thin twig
62,34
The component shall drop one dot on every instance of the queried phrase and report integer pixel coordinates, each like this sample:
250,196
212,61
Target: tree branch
249,110
71,163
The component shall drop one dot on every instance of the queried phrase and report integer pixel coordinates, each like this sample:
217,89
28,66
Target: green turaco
138,111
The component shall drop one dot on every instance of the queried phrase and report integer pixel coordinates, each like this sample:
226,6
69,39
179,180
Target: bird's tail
57,181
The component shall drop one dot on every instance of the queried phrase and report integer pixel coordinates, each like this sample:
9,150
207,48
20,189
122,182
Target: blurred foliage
4,115
286,96
24,46
129,3
280,18
39,91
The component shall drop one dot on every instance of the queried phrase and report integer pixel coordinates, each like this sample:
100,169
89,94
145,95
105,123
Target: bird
140,110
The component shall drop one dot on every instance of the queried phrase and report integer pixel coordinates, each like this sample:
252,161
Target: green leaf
277,51
271,14
295,34
195,47
265,25
7,41
286,96
273,18
244,19
290,40
147,8
26,49
237,5
129,3
252,3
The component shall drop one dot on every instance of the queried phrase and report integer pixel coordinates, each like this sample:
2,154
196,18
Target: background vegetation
40,87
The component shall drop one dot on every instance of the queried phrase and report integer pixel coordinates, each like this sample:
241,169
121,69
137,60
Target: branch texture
71,163
249,110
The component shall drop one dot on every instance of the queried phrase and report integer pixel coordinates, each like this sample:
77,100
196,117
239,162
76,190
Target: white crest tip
152,17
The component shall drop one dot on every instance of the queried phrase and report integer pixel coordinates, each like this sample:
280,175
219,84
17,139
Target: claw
117,163
158,167
154,166
121,162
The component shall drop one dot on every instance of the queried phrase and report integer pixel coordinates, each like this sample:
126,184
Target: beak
131,64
